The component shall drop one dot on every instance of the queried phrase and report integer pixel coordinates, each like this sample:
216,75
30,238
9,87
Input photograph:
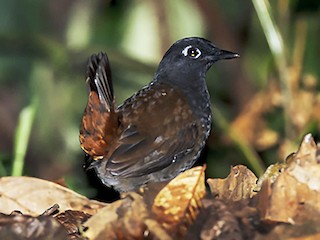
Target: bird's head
191,56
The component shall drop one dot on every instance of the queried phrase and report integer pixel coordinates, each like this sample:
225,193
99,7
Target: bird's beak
224,54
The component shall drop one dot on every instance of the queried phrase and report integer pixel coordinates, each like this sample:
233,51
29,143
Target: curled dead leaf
294,196
178,203
239,184
272,172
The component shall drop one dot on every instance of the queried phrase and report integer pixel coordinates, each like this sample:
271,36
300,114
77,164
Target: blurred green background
263,103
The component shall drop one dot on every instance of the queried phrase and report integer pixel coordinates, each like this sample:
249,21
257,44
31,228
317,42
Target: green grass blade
22,136
277,48
271,31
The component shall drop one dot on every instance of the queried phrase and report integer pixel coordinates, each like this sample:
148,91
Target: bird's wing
99,121
157,132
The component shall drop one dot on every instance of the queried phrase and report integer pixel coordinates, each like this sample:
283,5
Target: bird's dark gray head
191,56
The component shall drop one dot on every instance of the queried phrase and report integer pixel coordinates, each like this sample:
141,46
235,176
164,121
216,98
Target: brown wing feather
158,139
99,121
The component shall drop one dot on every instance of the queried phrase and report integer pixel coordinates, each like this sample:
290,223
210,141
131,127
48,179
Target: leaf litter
284,203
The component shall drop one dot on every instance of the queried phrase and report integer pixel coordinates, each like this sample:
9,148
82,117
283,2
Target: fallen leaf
178,203
283,231
310,237
294,197
33,196
123,219
216,220
271,173
72,221
250,125
239,184
18,226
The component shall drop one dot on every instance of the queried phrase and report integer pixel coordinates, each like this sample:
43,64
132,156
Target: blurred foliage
44,46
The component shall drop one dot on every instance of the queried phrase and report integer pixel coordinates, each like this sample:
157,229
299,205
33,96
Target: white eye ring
191,52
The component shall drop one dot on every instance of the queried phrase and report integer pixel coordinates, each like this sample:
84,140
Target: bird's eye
191,52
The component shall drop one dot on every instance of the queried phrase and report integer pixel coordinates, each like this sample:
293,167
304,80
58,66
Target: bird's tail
99,78
99,119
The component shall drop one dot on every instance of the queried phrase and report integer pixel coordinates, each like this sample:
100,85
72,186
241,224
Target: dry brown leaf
18,226
123,219
216,220
238,185
294,197
271,174
303,100
283,231
72,222
250,125
177,204
310,237
33,196
101,223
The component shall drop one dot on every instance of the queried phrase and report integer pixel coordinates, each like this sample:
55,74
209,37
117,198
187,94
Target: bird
160,130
